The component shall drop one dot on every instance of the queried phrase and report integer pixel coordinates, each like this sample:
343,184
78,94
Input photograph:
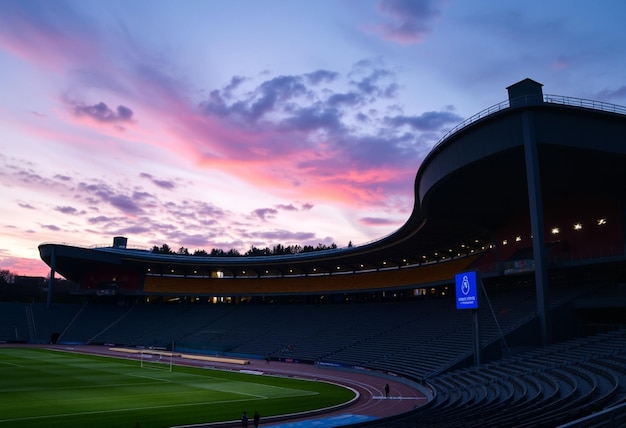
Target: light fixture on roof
578,226
601,221
518,238
555,230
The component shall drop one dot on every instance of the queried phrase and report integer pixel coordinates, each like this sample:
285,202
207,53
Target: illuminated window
578,226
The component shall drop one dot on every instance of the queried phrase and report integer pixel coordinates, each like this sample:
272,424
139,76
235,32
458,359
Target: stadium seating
426,340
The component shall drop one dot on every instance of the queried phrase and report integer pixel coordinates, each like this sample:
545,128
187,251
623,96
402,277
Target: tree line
276,250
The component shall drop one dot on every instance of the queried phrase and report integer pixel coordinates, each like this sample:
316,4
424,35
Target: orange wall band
393,278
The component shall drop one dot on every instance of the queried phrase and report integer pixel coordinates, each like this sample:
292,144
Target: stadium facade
533,188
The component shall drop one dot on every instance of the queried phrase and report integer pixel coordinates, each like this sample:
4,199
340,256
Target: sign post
467,298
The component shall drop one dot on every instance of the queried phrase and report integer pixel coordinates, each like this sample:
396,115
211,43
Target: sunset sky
232,123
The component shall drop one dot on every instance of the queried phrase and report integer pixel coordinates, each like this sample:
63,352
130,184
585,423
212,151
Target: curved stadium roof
467,186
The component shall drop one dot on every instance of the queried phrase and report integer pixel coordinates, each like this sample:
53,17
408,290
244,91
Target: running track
370,404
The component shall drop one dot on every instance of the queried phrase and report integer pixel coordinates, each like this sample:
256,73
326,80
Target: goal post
156,360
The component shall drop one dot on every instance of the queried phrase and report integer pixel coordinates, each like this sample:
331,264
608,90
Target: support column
476,334
53,263
533,179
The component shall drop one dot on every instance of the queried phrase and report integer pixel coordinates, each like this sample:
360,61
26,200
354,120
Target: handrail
534,99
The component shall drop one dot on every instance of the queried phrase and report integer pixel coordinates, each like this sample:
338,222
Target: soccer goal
156,360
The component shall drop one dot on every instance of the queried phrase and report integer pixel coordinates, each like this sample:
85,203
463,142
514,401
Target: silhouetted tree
277,249
164,249
6,277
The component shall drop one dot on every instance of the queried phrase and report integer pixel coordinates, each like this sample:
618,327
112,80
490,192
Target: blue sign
466,290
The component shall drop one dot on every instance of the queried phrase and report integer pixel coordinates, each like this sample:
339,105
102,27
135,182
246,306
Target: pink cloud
288,133
100,112
35,31
377,221
24,266
409,20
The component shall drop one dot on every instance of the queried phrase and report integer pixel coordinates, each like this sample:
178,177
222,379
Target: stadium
527,196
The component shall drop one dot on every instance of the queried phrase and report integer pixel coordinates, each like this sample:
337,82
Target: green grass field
46,388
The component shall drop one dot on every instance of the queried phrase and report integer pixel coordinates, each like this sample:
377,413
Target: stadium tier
530,194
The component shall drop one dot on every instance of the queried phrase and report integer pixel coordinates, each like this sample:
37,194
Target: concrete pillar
537,224
53,262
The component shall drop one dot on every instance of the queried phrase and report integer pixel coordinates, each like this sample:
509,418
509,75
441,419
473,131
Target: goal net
156,360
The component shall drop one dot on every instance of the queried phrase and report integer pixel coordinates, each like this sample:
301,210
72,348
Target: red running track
371,401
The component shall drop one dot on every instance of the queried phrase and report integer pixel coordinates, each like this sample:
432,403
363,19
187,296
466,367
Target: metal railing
534,99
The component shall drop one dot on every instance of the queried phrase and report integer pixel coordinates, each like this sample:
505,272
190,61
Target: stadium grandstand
529,194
